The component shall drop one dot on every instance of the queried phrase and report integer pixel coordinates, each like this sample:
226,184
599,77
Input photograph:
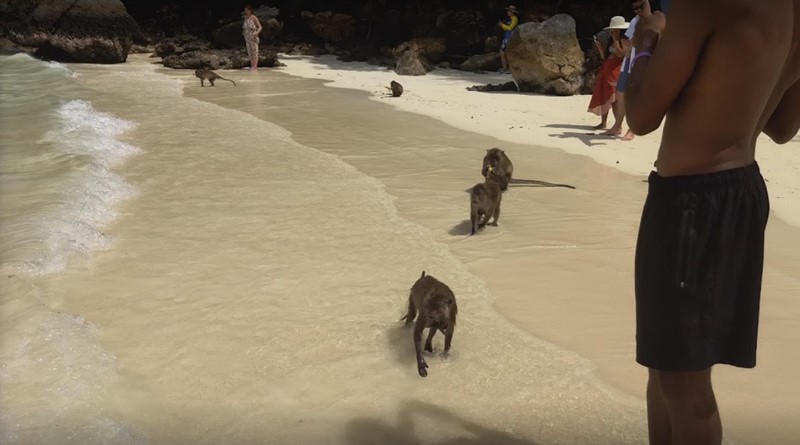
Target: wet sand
560,264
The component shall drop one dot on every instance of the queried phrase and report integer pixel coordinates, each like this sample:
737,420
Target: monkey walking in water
210,76
485,201
437,309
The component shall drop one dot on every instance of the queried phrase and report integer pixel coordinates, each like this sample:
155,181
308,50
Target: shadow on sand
368,431
400,341
589,138
461,229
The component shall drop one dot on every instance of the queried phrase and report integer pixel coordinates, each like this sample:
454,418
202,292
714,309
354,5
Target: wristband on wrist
640,54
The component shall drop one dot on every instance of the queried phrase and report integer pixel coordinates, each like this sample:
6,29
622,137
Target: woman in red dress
604,95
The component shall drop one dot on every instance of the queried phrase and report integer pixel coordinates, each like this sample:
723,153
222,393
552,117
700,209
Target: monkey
500,164
485,201
397,89
437,308
210,76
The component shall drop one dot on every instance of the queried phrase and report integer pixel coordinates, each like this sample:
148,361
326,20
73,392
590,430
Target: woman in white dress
251,27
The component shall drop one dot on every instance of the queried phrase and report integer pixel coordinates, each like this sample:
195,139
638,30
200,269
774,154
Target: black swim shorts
699,263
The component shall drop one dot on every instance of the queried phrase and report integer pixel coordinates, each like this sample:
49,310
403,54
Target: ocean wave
78,201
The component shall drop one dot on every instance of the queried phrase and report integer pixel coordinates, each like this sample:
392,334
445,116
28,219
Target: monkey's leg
448,338
484,219
496,215
421,364
211,81
412,311
473,219
429,341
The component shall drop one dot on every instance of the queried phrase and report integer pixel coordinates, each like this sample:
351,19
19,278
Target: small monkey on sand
210,76
437,308
397,89
485,201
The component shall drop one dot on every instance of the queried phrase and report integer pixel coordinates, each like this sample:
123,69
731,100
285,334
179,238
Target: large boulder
89,31
219,59
331,27
591,64
418,56
482,62
189,52
546,57
180,44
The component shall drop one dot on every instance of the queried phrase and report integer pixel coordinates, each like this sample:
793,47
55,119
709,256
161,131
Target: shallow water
253,287
253,292
58,192
560,265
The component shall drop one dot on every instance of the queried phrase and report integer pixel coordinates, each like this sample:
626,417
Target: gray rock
482,62
331,27
219,59
546,58
418,56
88,31
180,44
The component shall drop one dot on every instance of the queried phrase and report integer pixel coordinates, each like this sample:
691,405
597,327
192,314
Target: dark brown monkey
210,76
501,164
485,201
397,89
437,308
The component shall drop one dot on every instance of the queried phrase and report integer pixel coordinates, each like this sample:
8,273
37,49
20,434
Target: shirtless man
722,73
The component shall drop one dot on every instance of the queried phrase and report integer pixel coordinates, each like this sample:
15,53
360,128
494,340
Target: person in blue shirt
508,28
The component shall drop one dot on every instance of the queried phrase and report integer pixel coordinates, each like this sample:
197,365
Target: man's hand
649,30
642,8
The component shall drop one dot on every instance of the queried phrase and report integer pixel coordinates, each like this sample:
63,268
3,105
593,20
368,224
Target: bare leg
503,61
692,407
658,423
254,62
603,122
619,115
429,340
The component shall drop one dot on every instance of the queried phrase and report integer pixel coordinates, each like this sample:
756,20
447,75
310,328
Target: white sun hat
617,22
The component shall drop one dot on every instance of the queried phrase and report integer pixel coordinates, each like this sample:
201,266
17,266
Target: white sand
561,264
558,122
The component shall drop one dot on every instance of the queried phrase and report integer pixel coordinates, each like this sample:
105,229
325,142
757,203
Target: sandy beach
529,119
253,289
561,266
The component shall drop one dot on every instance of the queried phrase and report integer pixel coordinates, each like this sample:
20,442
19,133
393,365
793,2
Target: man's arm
656,81
784,123
511,25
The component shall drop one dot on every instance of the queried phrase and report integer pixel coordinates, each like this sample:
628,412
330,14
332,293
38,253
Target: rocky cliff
96,31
